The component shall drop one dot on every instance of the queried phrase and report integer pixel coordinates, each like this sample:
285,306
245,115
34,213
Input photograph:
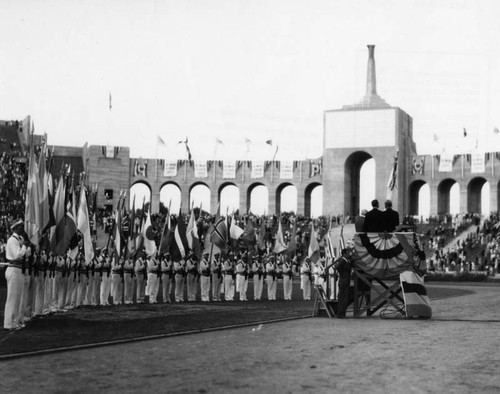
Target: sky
246,72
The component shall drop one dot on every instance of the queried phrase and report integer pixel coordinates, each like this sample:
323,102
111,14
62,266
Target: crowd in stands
477,251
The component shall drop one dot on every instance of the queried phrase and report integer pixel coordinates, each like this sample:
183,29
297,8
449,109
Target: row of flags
218,142
57,218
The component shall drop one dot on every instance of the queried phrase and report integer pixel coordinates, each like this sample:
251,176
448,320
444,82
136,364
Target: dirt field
457,351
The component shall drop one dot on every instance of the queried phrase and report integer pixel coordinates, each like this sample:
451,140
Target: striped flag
313,250
32,215
280,245
415,295
181,242
83,225
384,255
57,231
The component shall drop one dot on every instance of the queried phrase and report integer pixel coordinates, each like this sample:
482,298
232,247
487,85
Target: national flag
118,230
166,236
181,242
292,245
59,208
208,246
149,236
262,235
187,148
44,191
249,234
313,250
465,132
32,215
341,239
70,230
495,130
160,141
132,233
192,237
248,142
235,231
391,183
415,295
269,142
219,236
83,225
279,245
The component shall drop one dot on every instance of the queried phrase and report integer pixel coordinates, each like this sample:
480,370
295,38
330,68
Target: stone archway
229,198
279,192
199,195
258,199
352,168
474,189
444,195
414,195
170,196
308,197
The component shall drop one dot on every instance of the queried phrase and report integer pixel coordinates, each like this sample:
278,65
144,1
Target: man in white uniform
15,252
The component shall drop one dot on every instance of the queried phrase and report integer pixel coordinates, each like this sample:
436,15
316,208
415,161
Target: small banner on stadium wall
477,163
446,163
316,168
286,170
200,169
141,168
229,170
257,169
418,165
110,152
170,168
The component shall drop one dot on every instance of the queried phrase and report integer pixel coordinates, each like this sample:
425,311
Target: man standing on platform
344,267
374,219
359,221
391,217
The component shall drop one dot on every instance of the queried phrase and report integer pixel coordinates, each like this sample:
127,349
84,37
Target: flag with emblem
149,236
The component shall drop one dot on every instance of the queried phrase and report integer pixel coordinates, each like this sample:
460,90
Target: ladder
321,299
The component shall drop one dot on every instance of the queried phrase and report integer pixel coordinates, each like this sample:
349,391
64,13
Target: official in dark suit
391,217
344,268
374,219
359,222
